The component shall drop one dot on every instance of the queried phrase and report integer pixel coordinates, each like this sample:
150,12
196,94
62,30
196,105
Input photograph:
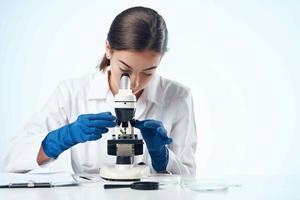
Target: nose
134,82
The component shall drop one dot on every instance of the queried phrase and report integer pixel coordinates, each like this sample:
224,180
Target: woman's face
140,66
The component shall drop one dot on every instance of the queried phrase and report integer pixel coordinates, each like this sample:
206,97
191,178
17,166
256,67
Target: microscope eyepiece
125,82
125,101
125,74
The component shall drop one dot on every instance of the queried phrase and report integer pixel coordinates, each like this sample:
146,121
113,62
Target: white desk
265,188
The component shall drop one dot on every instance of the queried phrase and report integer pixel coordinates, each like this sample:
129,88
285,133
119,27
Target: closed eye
147,74
125,70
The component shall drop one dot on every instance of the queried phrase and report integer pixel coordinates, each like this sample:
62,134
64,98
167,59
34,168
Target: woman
79,116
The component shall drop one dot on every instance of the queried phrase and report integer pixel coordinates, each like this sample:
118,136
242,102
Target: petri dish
204,185
163,179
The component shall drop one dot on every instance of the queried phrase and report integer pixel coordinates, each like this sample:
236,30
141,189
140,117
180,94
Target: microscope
125,144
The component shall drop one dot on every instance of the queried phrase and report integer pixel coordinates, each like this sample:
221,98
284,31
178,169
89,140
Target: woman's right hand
87,127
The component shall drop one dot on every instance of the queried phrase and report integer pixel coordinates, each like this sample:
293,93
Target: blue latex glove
155,136
87,127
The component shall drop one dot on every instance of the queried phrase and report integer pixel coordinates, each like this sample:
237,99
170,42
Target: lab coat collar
153,91
99,88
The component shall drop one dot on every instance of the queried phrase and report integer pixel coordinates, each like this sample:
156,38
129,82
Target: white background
240,58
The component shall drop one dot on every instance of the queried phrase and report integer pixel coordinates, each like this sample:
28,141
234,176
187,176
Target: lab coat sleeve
182,150
23,148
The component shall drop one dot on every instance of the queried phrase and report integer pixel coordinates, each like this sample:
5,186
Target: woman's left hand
155,136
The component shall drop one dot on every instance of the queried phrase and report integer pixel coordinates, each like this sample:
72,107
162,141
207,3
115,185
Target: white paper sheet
56,179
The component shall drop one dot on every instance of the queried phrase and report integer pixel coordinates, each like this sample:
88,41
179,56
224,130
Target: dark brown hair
137,29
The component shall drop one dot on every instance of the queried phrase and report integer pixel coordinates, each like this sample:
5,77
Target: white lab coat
164,100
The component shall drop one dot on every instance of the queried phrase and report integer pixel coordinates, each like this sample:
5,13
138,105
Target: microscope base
124,172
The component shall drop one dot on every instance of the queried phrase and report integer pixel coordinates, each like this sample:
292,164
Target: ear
107,50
